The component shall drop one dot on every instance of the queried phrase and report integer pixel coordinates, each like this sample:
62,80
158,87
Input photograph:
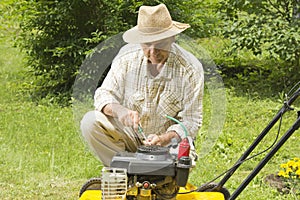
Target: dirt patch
279,183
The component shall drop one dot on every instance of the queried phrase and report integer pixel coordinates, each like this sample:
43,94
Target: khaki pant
106,136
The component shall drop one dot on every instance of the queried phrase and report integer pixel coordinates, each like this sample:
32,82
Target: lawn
42,154
43,157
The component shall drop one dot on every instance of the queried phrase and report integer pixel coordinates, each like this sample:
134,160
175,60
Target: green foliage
54,37
268,28
43,157
58,35
261,38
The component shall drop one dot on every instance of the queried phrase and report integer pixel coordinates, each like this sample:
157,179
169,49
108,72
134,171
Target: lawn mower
153,173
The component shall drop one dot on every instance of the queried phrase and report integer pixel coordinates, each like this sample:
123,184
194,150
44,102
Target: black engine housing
148,160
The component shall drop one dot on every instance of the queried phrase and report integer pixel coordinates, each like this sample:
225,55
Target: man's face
157,52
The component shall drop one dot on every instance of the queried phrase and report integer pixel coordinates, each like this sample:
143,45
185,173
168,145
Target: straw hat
154,23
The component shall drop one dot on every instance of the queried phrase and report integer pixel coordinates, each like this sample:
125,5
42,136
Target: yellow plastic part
91,195
97,195
199,195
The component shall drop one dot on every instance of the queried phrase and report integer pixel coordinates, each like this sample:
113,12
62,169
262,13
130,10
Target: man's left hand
160,140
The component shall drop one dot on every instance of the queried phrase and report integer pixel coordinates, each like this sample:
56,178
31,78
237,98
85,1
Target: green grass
245,119
43,157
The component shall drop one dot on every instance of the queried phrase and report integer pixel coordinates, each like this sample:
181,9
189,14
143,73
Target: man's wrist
174,134
112,109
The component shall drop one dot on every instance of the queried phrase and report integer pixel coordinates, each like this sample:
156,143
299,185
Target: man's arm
126,116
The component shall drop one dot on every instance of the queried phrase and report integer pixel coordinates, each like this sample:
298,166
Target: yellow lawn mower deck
151,173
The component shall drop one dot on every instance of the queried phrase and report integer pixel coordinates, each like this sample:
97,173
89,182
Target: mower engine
151,173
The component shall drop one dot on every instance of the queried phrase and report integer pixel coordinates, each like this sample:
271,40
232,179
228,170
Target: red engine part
184,148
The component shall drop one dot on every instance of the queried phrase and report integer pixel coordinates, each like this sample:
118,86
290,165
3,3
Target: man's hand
161,140
126,116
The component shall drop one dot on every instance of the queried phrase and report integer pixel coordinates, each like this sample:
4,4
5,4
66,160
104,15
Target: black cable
293,88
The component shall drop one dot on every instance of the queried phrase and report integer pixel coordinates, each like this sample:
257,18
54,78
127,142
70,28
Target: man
150,78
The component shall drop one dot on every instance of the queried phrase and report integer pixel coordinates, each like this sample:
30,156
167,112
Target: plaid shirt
176,91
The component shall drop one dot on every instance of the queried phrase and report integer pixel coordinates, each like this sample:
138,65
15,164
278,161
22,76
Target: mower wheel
211,187
92,184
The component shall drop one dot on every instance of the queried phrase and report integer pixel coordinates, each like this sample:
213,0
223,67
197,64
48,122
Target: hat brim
135,36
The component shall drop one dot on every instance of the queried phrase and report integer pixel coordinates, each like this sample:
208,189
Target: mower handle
286,107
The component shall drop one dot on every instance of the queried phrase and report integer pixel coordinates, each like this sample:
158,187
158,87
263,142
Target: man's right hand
126,116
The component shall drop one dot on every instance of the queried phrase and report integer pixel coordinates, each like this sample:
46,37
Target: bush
269,29
58,35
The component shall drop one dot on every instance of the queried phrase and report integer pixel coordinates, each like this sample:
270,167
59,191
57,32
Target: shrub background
254,40
58,35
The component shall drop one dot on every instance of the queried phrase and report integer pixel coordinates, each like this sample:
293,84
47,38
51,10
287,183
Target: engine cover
148,160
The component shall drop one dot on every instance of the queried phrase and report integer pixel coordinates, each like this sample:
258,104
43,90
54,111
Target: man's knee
87,123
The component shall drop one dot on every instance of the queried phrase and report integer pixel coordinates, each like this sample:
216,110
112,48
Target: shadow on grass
261,87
